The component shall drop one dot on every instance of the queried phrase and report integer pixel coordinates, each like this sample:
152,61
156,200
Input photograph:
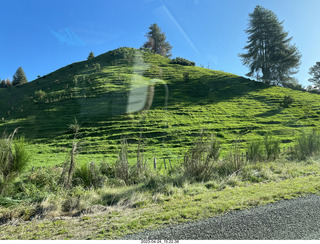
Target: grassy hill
95,93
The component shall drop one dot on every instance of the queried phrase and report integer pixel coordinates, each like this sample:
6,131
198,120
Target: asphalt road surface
295,219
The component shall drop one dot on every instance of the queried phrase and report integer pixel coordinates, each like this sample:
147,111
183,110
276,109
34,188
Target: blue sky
45,35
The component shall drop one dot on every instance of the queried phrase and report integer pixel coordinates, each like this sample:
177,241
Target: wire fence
167,162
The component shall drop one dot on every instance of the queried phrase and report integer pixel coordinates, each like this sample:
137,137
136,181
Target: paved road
289,219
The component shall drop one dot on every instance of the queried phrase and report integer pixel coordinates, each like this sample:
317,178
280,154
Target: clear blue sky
44,35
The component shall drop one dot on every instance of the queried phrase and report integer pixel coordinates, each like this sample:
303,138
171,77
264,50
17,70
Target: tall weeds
268,149
255,151
122,164
200,160
13,159
89,175
272,148
307,145
233,162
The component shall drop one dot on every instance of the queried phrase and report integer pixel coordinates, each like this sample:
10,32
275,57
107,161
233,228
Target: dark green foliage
89,175
255,151
97,66
269,56
186,77
19,77
293,84
8,83
287,101
107,170
200,160
39,95
315,72
307,145
91,55
13,159
268,149
233,161
272,148
157,42
3,84
182,61
36,185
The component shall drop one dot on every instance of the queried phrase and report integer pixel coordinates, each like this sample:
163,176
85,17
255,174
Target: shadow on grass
269,113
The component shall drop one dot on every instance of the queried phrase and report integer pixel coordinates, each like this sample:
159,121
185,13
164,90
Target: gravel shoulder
288,219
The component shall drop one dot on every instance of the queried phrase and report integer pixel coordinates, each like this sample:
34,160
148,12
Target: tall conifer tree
2,84
157,42
269,56
315,72
19,77
91,55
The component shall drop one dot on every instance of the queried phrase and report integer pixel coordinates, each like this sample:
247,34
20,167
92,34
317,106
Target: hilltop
95,92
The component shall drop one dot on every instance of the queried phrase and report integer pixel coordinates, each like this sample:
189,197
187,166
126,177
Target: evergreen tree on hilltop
19,77
315,72
91,55
8,83
269,56
2,84
157,42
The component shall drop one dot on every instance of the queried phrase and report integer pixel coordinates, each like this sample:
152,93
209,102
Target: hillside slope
96,93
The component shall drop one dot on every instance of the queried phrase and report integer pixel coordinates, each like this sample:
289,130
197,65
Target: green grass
200,101
227,105
188,203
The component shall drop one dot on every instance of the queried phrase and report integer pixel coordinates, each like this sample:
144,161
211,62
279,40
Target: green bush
13,159
255,151
201,158
40,95
233,162
272,148
88,175
307,145
122,164
182,61
36,185
287,101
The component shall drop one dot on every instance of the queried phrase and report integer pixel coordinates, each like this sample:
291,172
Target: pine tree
2,84
8,83
19,77
269,56
91,55
157,42
315,72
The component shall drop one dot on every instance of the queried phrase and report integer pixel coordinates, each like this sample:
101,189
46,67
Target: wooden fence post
155,163
164,162
170,163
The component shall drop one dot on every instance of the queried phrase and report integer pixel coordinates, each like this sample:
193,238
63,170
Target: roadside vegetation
229,143
116,188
